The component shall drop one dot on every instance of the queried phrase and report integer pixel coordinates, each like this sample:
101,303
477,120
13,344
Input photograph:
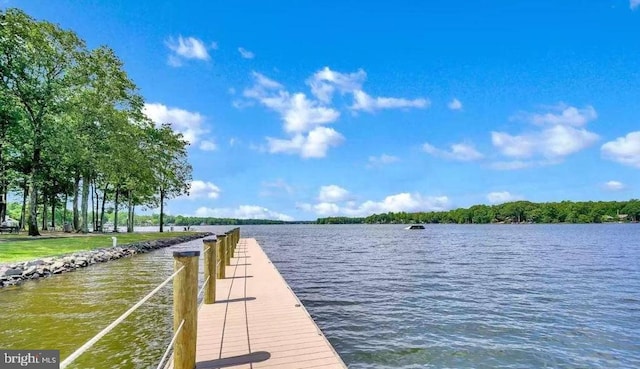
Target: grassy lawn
23,248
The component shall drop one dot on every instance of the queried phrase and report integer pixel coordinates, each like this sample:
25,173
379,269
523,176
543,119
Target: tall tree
172,171
35,59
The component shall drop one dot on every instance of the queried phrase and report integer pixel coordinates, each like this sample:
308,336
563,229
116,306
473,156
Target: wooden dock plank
258,322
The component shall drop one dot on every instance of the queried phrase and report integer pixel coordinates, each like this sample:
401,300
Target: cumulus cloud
242,212
460,152
384,159
634,4
405,201
190,124
555,142
325,82
305,117
362,101
207,145
184,48
201,189
624,150
561,134
560,114
502,197
298,113
246,54
312,145
332,193
455,104
614,186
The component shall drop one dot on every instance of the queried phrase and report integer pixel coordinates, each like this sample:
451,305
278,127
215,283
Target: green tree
35,59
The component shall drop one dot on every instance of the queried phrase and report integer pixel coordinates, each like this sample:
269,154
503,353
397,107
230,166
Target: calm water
534,296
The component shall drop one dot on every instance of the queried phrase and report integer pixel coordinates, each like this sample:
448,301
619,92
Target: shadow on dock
254,357
235,300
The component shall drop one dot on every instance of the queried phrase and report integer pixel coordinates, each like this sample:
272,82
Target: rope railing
110,327
203,286
185,299
173,341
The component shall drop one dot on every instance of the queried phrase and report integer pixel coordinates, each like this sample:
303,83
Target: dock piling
210,271
222,256
185,308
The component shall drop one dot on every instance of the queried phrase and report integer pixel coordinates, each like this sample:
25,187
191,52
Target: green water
63,312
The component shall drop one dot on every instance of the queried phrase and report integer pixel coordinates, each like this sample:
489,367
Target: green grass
22,248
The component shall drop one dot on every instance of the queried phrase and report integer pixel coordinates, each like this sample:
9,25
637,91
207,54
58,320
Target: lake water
485,296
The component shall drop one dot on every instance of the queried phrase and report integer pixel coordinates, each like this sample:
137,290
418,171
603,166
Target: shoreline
13,274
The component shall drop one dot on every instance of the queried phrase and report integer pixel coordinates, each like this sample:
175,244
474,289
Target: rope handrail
110,327
203,286
173,340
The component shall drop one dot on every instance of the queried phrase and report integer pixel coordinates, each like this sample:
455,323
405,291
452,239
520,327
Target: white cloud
190,124
304,118
208,146
502,197
634,4
614,186
314,145
325,81
400,202
455,104
298,112
242,212
460,152
362,101
561,134
186,48
202,189
624,150
395,203
332,193
262,83
561,114
246,53
553,143
384,159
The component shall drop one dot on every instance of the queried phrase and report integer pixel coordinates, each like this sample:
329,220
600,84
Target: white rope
108,329
203,286
173,340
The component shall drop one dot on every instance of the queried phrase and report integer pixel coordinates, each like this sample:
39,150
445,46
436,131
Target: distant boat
415,226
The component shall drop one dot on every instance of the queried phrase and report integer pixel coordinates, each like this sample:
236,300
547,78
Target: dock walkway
258,322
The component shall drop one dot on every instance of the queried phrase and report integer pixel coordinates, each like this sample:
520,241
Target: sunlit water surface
492,296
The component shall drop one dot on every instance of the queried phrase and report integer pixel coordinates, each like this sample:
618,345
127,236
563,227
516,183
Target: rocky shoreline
15,273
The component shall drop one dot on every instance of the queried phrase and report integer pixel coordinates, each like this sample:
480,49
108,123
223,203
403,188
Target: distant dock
257,321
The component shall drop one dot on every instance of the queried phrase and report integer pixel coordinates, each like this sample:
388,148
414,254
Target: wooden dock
257,321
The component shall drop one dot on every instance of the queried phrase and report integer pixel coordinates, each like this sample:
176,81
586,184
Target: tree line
72,128
511,212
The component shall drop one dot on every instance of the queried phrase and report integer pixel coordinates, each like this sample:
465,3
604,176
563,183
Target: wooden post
210,271
185,307
221,256
230,240
229,255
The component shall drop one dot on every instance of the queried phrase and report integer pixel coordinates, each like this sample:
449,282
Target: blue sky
300,109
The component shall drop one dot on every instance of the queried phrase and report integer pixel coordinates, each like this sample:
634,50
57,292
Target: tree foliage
513,212
71,125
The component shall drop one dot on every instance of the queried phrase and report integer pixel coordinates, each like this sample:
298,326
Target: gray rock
12,272
30,270
34,262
